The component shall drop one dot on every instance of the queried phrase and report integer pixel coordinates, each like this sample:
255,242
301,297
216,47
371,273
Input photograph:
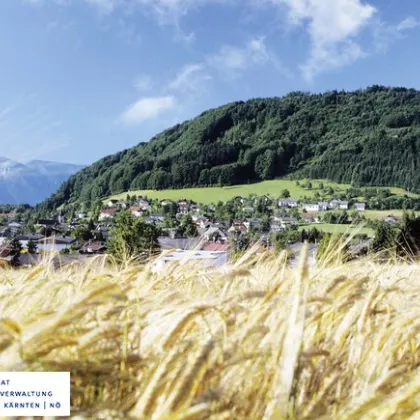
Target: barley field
252,340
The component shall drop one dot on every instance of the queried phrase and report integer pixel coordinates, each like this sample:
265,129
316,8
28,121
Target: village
206,233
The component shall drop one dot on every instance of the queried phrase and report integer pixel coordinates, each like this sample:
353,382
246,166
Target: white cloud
170,11
385,34
105,6
143,82
231,61
334,57
41,2
408,23
333,26
147,108
192,78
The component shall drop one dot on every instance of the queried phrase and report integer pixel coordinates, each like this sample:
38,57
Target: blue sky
80,79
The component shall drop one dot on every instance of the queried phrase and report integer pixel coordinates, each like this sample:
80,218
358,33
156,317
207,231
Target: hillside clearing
335,228
207,195
214,194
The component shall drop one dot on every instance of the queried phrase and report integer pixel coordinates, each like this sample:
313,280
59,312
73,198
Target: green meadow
213,194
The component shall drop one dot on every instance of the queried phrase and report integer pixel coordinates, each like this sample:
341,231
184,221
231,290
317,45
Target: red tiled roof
10,215
4,251
215,246
109,211
94,246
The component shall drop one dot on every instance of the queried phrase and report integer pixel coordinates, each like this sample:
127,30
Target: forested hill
366,137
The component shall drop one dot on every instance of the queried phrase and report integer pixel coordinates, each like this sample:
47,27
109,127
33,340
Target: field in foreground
249,341
272,188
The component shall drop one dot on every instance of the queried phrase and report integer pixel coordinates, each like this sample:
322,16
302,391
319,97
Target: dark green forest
365,137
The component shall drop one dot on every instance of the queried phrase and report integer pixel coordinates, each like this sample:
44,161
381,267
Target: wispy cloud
44,148
143,82
385,34
170,11
13,106
105,6
191,80
231,61
41,2
147,108
408,23
333,27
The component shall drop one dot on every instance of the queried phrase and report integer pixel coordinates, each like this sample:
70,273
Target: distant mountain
32,182
366,137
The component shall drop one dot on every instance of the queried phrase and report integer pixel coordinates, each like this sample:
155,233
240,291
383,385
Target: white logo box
35,394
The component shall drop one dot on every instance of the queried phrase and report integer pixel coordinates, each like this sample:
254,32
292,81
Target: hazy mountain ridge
32,182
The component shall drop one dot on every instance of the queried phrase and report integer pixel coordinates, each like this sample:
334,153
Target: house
5,251
338,205
6,233
195,208
265,199
196,217
93,247
171,243
392,219
136,211
287,221
58,240
47,223
29,260
203,258
201,222
144,205
166,202
6,259
323,206
14,225
311,207
288,203
248,209
214,233
251,223
112,203
311,218
107,214
360,206
237,227
122,204
55,243
155,219
102,231
276,227
183,206
24,239
216,247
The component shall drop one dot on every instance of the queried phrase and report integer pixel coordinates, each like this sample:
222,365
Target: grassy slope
240,342
330,228
272,188
211,195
